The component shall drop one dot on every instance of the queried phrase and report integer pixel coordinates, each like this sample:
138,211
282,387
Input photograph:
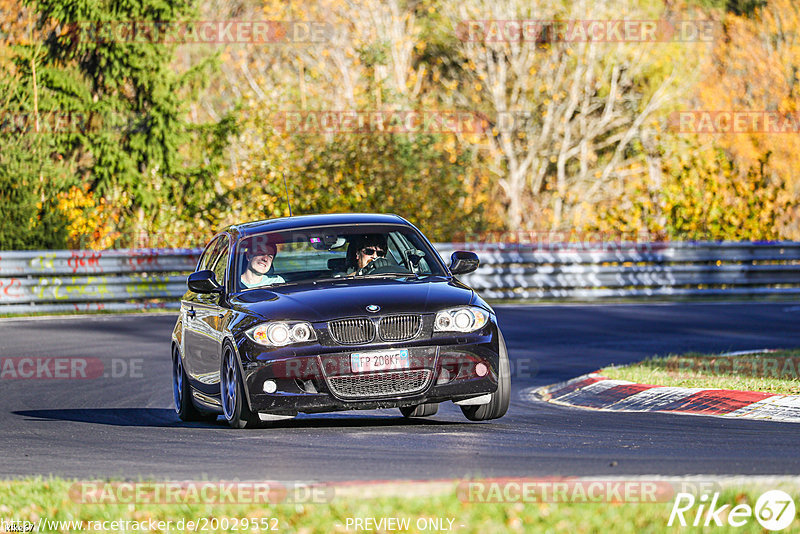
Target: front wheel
234,403
498,406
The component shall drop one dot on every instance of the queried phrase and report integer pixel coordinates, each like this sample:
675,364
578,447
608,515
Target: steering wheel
381,266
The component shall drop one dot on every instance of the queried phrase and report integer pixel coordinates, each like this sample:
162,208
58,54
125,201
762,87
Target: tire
420,410
498,406
231,389
182,392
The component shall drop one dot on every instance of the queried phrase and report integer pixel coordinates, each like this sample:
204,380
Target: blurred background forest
174,141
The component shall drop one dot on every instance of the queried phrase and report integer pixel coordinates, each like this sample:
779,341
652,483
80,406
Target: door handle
191,314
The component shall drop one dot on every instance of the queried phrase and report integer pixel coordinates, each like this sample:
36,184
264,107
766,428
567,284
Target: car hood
347,298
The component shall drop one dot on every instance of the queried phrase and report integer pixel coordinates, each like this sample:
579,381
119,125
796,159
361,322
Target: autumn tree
30,179
137,148
573,119
755,68
371,59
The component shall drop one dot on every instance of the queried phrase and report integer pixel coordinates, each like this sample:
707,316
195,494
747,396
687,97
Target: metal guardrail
50,281
632,270
85,280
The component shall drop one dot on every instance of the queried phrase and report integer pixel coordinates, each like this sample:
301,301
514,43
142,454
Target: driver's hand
375,264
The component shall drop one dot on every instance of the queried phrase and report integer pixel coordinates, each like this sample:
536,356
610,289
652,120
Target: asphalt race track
124,426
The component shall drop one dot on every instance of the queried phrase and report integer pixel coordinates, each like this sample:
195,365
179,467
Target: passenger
259,271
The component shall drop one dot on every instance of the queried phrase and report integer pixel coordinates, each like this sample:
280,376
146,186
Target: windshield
333,252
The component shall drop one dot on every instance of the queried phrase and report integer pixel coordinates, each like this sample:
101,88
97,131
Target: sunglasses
372,251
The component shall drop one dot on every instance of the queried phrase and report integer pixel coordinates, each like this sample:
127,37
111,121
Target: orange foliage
756,67
92,221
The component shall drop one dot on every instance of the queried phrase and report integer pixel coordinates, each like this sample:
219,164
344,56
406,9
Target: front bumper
306,381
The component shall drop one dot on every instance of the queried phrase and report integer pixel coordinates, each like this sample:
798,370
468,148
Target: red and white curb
599,392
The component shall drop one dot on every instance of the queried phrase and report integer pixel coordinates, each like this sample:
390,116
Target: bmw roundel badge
373,308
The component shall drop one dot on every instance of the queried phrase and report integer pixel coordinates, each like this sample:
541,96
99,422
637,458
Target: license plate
364,362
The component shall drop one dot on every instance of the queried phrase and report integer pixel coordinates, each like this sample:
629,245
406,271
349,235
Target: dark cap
370,240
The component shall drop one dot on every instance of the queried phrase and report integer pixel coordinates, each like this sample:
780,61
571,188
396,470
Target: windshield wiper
362,276
331,279
385,275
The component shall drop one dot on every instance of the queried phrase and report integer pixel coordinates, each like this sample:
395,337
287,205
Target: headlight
466,319
279,334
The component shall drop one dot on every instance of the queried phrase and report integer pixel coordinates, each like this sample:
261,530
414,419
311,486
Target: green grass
33,499
775,372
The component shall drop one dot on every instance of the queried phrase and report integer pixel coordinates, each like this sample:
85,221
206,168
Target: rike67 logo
774,510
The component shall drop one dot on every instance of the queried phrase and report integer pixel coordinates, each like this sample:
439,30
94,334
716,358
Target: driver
370,251
259,271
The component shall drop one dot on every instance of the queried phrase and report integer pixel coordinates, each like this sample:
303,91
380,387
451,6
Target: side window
215,258
220,260
208,254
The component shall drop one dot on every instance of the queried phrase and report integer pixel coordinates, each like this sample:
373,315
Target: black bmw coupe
333,312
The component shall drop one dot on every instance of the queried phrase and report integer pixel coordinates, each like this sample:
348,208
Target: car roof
305,221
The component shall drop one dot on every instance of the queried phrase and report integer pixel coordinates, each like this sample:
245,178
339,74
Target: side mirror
204,282
463,262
